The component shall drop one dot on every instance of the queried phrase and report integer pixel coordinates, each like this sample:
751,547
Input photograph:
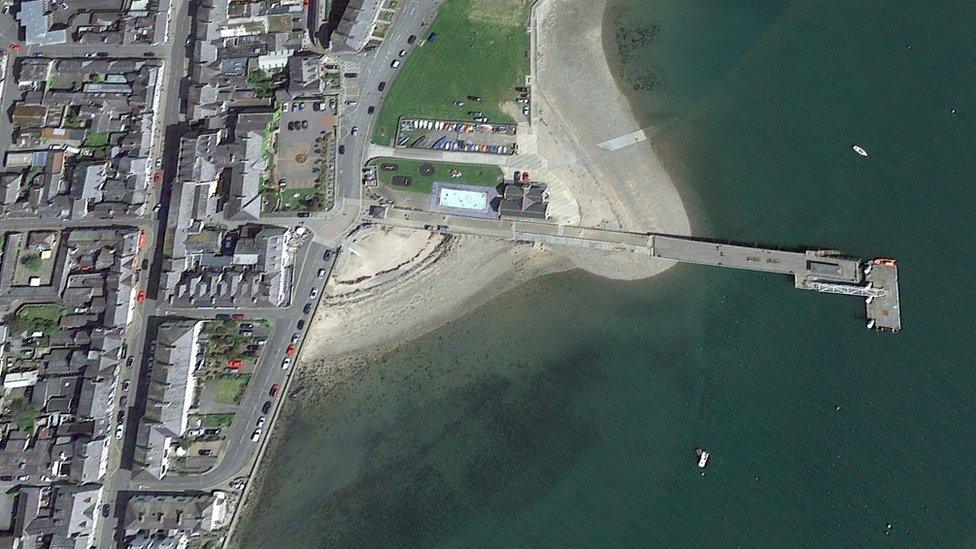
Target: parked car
290,351
402,53
125,385
301,324
274,390
285,363
411,39
432,37
342,149
327,254
382,86
266,408
238,316
256,435
314,293
205,452
350,75
261,421
354,130
119,430
123,400
295,337
370,110
395,63
106,509
307,308
321,273
120,416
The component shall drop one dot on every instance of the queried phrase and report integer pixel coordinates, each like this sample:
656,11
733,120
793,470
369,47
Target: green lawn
297,199
39,318
480,50
216,420
229,389
471,174
95,140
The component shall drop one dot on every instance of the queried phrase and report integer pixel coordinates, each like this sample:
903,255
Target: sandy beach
423,280
392,286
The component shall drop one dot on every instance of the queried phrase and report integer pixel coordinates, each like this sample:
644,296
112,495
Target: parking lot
305,141
456,136
303,128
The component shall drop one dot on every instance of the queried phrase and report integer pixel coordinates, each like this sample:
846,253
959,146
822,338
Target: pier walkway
818,270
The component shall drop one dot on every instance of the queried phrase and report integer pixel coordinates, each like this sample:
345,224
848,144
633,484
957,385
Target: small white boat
871,324
859,150
702,458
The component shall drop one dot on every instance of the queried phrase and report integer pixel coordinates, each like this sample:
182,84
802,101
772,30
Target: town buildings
171,389
80,136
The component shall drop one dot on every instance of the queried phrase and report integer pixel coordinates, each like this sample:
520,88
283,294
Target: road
413,17
240,450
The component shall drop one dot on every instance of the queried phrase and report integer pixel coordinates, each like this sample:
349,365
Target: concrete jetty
823,271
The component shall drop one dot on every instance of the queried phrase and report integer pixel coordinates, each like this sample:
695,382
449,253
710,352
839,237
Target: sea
567,412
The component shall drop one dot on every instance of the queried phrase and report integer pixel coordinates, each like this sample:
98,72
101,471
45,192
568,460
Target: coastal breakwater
819,270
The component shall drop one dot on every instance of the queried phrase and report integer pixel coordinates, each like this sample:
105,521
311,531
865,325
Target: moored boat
702,458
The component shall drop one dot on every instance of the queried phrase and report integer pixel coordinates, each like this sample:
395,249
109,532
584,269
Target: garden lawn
212,421
39,318
229,389
95,140
481,50
471,174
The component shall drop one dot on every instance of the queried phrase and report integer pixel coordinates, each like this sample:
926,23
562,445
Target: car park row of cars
290,350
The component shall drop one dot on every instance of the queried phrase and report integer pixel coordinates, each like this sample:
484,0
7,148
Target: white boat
859,150
871,324
702,458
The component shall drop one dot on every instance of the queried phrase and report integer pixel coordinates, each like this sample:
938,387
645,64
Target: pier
822,271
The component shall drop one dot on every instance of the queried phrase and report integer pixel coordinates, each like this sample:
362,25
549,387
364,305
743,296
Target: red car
274,390
290,351
235,363
141,296
158,177
238,316
16,47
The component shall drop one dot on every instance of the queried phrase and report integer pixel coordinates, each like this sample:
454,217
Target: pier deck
885,308
817,270
810,264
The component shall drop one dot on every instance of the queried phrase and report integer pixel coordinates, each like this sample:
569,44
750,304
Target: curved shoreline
627,188
634,190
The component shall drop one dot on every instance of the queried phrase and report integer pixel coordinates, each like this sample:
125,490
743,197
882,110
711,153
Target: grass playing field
481,50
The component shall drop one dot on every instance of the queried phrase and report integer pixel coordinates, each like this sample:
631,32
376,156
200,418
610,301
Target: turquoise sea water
566,413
